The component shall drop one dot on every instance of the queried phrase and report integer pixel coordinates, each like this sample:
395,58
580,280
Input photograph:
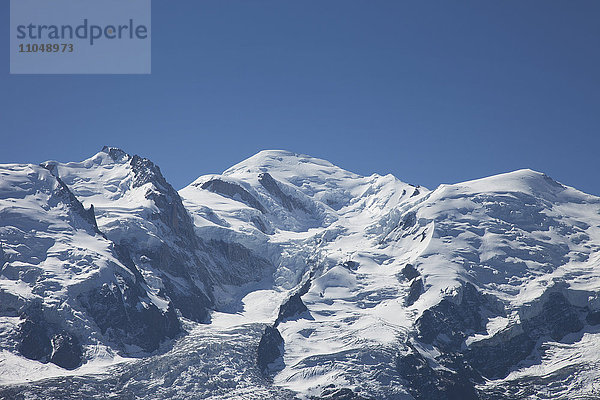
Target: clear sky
431,91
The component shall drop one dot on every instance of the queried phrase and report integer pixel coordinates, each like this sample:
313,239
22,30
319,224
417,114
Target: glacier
287,277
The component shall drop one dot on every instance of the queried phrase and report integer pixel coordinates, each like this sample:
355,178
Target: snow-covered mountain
289,277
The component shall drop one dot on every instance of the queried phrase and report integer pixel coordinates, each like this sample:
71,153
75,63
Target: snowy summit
287,277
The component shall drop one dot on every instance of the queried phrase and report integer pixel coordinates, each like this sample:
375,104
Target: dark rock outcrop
127,317
171,210
2,256
178,266
294,306
288,202
351,265
232,191
558,318
410,272
178,283
447,324
425,382
234,263
45,342
270,349
409,220
65,195
496,358
66,350
34,342
593,318
333,393
414,292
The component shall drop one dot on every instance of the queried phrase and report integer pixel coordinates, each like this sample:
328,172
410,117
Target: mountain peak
116,153
361,280
522,180
268,160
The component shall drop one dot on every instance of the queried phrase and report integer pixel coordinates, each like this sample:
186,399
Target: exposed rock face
72,279
291,308
446,325
233,191
334,393
558,318
288,202
177,281
593,318
155,240
167,200
294,306
416,288
235,264
65,195
66,350
34,341
180,261
125,317
351,265
45,342
496,357
410,272
425,383
270,349
69,198
369,288
2,256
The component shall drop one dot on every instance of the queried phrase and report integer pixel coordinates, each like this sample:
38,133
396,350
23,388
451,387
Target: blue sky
431,91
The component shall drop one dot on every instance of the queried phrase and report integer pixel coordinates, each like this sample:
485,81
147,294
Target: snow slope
514,237
139,211
367,287
57,271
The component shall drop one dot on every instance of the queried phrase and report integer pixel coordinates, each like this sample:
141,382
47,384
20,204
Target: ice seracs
143,215
63,284
343,286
